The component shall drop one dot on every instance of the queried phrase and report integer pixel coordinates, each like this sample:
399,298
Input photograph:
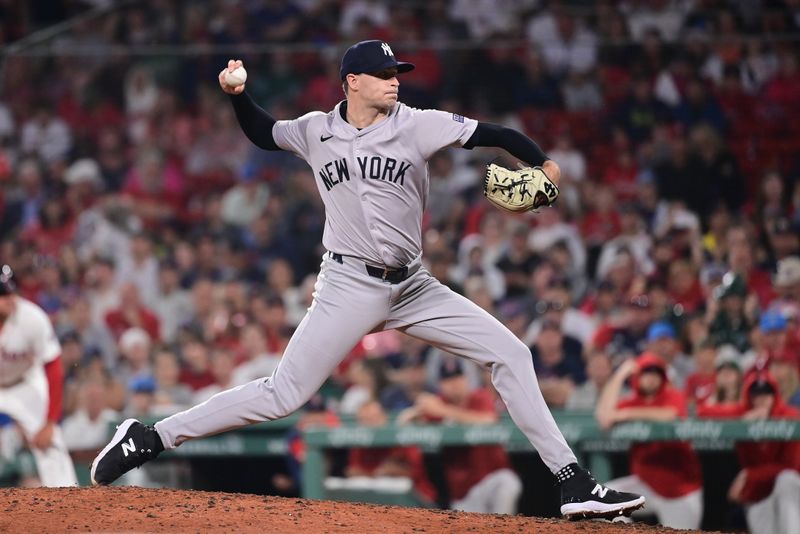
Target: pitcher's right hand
232,65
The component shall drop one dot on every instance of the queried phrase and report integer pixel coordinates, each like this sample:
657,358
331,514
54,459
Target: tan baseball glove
518,190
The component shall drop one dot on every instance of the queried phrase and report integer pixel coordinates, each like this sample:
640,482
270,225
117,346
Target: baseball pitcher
369,158
32,381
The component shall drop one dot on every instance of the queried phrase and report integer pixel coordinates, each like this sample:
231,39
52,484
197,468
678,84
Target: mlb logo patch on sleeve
458,118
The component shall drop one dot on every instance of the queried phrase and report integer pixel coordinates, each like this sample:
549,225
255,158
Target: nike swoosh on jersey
322,138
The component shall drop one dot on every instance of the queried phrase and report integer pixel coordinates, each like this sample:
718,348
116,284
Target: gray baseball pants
348,304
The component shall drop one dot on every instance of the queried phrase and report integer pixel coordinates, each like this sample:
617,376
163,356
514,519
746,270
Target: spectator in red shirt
783,366
668,474
621,176
479,478
324,90
196,370
700,385
53,229
131,312
735,101
404,462
684,286
601,223
784,89
769,483
154,189
423,83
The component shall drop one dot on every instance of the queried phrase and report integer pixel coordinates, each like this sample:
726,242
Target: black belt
394,276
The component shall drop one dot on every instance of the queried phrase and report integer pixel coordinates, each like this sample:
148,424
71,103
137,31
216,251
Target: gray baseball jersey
374,181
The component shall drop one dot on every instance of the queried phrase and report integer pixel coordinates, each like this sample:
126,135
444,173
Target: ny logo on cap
386,49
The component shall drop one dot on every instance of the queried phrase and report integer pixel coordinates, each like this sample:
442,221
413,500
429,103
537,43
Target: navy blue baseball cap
370,56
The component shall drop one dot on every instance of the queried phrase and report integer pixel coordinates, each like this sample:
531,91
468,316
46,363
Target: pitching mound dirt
148,510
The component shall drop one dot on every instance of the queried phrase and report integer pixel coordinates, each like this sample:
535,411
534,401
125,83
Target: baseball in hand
236,78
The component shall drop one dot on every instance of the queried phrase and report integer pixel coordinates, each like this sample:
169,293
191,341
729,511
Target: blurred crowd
175,259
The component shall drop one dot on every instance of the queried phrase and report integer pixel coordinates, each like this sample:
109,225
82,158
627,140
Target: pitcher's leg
457,325
345,308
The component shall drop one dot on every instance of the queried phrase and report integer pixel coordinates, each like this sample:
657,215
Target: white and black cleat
582,497
132,445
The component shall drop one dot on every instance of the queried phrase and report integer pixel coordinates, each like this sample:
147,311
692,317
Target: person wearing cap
369,158
662,340
32,381
479,478
768,484
142,390
668,474
134,346
773,335
84,181
730,318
